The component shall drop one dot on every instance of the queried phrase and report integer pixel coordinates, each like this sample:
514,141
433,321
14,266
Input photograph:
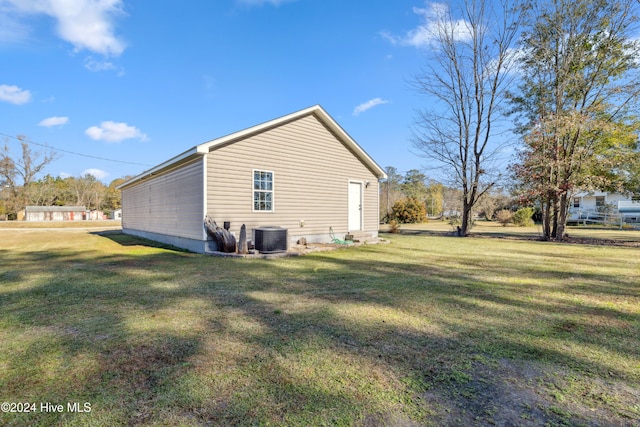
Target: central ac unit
270,239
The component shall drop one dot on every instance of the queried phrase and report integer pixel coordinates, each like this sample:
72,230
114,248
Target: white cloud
368,105
86,24
97,173
14,94
53,121
115,132
93,65
435,18
96,66
64,175
511,63
263,2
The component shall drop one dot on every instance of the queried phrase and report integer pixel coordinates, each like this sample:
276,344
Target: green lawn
424,330
59,224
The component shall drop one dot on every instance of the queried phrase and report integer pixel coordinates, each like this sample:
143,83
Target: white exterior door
355,206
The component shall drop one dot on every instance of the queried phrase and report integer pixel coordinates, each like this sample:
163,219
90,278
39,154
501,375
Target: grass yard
424,330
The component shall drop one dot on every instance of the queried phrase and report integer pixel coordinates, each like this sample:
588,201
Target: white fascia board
210,145
338,130
592,193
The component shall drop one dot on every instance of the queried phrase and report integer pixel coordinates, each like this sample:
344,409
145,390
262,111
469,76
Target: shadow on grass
69,316
577,236
123,239
429,364
179,338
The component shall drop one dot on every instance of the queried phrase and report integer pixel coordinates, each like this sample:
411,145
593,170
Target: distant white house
588,206
115,214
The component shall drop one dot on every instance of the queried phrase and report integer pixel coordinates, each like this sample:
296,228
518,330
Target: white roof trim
320,113
317,110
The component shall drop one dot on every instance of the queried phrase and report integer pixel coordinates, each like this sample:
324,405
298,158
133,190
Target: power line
72,152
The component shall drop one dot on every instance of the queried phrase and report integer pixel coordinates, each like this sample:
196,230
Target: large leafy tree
467,77
87,191
579,87
414,186
47,191
113,197
434,198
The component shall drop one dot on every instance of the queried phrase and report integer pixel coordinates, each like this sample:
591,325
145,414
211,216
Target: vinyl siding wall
312,170
168,204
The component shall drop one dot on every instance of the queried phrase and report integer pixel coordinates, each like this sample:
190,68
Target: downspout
205,173
378,199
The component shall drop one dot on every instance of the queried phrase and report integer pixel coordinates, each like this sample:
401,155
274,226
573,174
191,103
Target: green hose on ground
337,241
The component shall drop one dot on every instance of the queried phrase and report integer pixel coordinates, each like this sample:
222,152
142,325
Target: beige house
301,172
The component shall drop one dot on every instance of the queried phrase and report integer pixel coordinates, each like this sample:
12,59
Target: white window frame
272,191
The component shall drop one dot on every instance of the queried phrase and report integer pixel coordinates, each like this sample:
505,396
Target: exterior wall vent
270,239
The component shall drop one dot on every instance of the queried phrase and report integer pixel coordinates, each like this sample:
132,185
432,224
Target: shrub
504,217
394,226
455,221
408,211
523,217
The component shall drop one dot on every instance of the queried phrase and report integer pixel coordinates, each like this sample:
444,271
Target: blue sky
142,81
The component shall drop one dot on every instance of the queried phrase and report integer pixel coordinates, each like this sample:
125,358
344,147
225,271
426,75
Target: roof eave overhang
352,144
180,159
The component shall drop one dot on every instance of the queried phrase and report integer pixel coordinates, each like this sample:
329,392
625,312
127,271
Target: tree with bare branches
18,172
468,75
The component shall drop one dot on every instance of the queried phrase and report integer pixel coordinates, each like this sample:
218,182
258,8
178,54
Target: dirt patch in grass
529,393
569,239
601,242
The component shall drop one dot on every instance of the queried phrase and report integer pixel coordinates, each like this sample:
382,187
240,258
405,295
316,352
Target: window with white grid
262,191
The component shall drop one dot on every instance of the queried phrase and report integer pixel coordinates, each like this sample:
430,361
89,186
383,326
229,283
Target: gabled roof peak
206,147
320,114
